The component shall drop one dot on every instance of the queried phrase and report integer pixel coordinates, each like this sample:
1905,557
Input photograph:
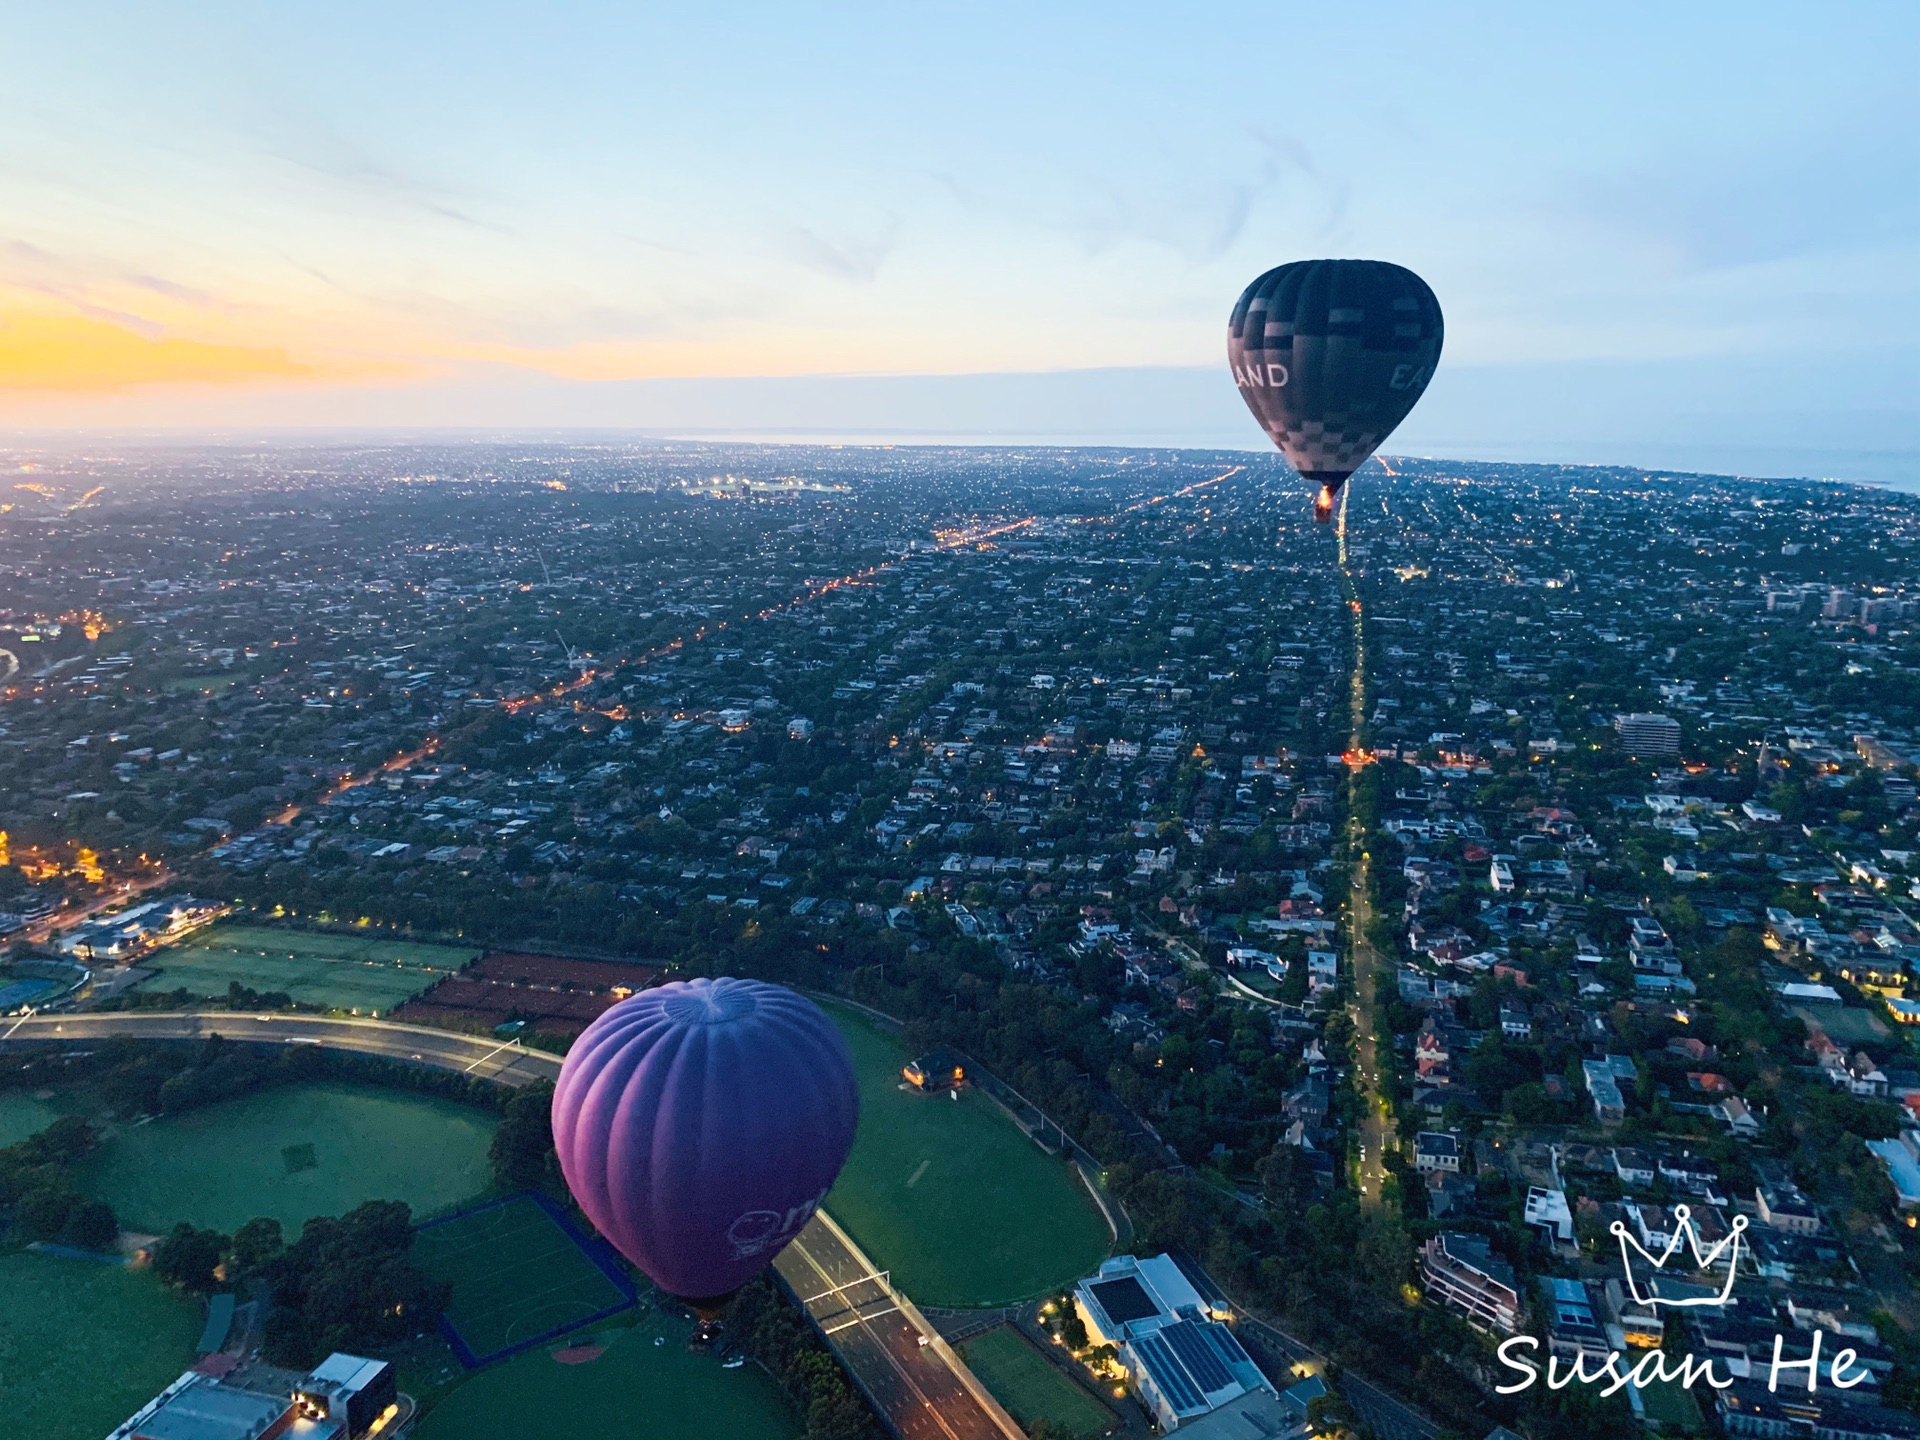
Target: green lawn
292,1152
638,1390
83,1345
341,971
1673,1409
1027,1383
23,1114
1845,1025
951,1196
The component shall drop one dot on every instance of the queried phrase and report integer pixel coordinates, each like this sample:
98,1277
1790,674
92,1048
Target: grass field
292,1152
516,1275
1673,1409
953,1197
341,971
638,1389
23,1113
1026,1382
1845,1025
83,1345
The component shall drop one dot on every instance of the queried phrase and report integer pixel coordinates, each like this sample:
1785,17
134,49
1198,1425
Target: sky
1662,235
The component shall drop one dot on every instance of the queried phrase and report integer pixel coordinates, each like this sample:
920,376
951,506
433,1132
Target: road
1387,1417
485,1059
1370,1172
908,1372
924,1390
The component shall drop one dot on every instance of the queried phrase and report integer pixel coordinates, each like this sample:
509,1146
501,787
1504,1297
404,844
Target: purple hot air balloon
701,1124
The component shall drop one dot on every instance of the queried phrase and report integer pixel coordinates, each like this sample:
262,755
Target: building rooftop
197,1407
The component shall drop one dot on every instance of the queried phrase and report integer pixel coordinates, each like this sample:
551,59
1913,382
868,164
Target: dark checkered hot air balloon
1330,355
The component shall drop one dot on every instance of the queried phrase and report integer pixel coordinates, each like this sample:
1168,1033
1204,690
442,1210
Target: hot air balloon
700,1125
1330,355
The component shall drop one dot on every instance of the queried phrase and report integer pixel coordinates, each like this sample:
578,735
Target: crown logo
1704,1260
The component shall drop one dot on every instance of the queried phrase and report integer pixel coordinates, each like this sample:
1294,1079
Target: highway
909,1373
486,1059
923,1389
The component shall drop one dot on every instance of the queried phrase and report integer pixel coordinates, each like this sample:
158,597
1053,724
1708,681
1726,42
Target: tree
1286,1179
522,1150
63,1142
189,1257
44,1210
347,1283
769,1329
91,1226
256,1244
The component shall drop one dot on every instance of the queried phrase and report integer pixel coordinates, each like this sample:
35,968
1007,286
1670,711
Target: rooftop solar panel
1168,1374
1227,1344
1201,1360
1124,1300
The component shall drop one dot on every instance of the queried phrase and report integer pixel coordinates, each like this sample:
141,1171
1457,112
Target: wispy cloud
1198,211
858,260
85,282
318,148
1820,195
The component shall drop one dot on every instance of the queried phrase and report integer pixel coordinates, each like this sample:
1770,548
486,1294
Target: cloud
856,260
1161,196
77,280
1816,195
317,148
77,352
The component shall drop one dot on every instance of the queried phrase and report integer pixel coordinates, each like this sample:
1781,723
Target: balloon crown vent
710,1002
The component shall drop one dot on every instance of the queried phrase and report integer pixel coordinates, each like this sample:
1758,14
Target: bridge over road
479,1056
922,1389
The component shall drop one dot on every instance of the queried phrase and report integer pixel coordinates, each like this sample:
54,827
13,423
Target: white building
1548,1212
1184,1364
1648,735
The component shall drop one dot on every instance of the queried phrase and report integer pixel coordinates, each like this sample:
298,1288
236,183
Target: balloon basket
707,1334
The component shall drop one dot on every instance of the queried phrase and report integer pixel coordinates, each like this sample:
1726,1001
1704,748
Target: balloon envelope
701,1124
1330,355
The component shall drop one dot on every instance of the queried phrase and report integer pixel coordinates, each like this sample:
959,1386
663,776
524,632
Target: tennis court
521,1274
16,993
1029,1385
341,971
